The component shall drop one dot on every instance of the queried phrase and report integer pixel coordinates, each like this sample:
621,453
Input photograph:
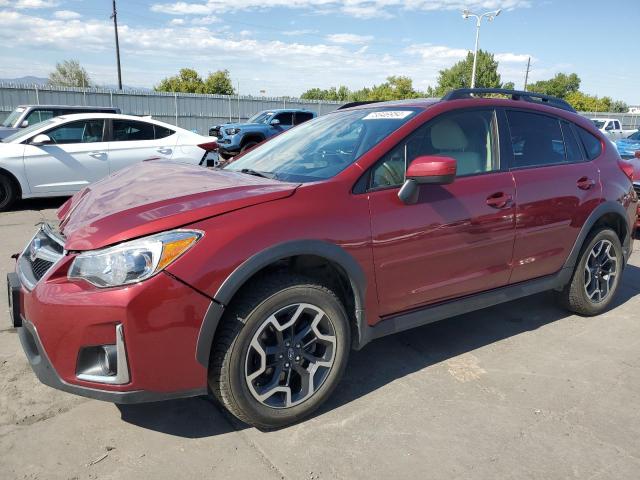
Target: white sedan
62,155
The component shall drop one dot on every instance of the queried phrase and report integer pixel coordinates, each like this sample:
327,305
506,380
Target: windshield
323,147
25,132
13,116
260,117
598,123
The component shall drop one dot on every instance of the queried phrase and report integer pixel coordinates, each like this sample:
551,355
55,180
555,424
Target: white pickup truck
612,128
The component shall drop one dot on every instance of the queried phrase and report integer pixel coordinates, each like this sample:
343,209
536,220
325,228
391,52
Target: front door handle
500,200
586,183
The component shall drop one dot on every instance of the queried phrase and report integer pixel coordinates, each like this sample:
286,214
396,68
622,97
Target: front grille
43,251
214,132
39,267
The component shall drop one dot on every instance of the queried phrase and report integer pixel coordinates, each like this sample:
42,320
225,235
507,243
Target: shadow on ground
38,204
382,361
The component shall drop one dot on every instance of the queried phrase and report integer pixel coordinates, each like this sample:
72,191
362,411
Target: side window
302,117
467,136
162,132
536,139
82,131
616,125
591,143
286,118
609,126
571,146
37,116
130,130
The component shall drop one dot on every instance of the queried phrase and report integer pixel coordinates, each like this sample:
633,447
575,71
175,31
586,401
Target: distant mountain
29,79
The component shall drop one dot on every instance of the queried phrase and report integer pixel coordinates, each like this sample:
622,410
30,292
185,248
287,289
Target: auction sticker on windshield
388,115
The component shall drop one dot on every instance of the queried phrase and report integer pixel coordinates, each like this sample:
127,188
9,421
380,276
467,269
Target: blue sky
287,46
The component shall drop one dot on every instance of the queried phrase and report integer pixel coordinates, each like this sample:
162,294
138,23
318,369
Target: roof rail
532,97
357,104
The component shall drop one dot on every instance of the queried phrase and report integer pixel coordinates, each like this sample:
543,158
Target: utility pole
114,15
526,75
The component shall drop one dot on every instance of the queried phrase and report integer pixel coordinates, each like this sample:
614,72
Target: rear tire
268,377
8,192
597,275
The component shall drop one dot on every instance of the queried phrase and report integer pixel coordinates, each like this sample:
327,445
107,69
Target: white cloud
355,8
66,15
297,33
177,21
207,20
182,8
437,53
29,4
514,57
349,38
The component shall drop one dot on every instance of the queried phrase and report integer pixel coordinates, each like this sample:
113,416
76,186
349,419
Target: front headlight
133,261
231,131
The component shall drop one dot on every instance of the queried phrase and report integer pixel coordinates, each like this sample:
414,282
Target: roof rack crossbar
533,97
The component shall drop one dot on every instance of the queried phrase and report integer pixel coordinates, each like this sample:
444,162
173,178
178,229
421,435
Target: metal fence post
37,95
175,101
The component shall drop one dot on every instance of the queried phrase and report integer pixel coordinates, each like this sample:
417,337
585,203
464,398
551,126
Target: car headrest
447,135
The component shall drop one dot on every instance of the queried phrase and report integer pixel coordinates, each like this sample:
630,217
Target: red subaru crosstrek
254,282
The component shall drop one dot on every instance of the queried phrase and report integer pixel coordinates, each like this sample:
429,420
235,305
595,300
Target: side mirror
41,139
275,122
24,124
427,170
637,154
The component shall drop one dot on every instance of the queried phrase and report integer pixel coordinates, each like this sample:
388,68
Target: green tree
69,73
619,106
187,81
583,102
559,86
459,75
219,83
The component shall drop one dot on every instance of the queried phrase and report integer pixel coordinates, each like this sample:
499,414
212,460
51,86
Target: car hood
6,131
155,196
242,125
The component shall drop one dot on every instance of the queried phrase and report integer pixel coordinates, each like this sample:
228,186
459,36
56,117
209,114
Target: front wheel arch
329,252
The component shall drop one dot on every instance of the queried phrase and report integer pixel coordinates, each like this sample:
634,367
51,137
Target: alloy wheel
290,355
600,271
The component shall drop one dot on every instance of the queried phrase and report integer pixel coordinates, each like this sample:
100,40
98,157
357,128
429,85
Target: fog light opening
104,363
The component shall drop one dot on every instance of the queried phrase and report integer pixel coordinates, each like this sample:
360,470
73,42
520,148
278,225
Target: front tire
248,145
8,193
281,349
597,275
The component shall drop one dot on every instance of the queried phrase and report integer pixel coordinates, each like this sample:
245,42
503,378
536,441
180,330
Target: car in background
234,138
611,128
627,147
26,115
61,155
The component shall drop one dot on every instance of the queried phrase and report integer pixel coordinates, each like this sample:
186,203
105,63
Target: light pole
466,14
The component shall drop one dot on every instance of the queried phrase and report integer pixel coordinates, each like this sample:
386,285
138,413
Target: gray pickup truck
25,115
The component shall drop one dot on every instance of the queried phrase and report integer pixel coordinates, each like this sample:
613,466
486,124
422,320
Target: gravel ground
521,390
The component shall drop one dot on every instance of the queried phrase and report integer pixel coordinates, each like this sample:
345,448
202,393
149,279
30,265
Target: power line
114,15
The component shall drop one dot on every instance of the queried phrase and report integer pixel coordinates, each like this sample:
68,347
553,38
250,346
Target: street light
466,14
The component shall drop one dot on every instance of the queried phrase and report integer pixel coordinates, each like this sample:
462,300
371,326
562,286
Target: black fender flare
257,262
600,211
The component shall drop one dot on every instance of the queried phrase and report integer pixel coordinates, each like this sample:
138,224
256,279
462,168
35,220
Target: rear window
591,143
162,132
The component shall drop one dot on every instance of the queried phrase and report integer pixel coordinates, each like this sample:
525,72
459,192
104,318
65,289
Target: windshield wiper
257,173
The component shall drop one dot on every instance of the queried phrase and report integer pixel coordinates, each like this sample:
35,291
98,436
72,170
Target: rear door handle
98,155
164,150
500,200
586,183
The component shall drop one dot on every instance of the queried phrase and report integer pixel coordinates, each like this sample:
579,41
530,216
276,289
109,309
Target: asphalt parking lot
521,390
